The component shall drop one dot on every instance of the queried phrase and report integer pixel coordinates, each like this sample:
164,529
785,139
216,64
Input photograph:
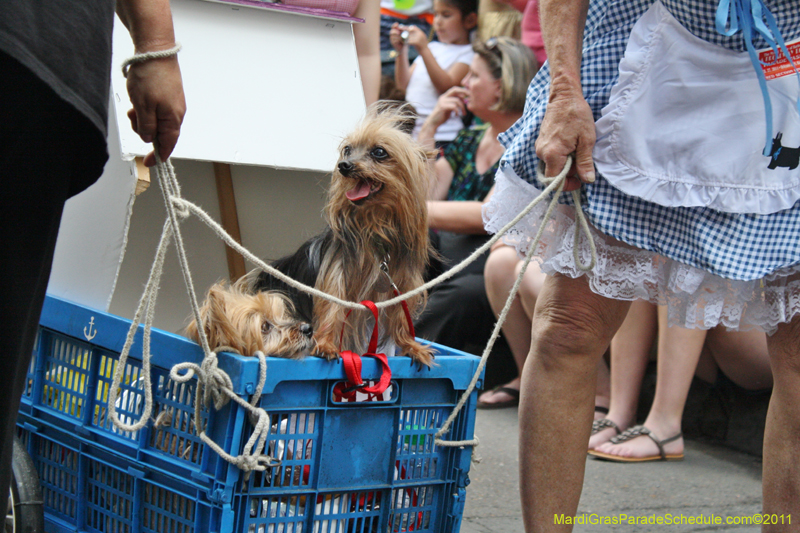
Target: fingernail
590,177
147,138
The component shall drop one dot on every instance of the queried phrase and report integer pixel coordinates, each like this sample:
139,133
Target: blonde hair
514,64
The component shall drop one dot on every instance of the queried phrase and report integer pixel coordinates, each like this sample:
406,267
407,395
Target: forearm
402,70
427,133
440,78
458,217
149,23
367,38
562,23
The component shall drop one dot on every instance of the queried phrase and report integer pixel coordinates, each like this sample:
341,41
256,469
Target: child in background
440,65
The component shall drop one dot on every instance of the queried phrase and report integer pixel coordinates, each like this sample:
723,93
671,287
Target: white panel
93,229
262,87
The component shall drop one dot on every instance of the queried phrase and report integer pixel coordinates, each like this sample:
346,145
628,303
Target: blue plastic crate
344,467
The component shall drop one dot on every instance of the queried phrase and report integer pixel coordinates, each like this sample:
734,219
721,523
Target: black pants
48,152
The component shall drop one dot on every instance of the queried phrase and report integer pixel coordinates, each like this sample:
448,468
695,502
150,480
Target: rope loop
146,56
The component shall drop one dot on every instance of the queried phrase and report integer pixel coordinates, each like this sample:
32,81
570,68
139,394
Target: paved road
709,480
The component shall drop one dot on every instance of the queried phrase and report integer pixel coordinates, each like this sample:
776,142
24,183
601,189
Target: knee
784,350
563,328
499,269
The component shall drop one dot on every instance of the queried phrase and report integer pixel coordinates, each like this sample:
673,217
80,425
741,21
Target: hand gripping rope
214,385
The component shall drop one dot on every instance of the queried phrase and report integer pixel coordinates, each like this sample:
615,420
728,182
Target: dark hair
464,6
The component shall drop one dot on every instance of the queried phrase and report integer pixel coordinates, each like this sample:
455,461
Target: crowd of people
696,241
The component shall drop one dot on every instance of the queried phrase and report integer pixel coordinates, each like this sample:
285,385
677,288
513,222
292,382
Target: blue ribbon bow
755,19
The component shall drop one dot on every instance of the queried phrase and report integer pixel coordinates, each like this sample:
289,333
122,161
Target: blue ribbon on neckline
755,19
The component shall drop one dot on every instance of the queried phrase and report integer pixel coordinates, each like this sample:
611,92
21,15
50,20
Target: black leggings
48,152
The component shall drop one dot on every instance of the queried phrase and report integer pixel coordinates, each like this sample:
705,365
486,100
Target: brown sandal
632,433
604,423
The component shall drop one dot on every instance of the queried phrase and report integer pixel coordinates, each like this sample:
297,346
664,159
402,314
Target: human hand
567,128
416,37
155,88
451,101
395,37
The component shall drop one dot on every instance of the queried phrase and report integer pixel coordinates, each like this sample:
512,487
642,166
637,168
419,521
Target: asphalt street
711,480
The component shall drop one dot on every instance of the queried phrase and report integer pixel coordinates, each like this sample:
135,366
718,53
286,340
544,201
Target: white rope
146,56
581,224
551,183
214,385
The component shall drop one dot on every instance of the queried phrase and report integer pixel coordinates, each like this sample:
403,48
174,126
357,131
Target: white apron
653,143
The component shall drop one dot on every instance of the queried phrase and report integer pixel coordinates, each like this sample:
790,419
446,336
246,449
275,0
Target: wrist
566,84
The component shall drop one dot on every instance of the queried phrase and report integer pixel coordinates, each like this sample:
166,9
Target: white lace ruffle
695,298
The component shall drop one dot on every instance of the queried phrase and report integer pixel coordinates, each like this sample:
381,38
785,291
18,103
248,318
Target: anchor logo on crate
90,334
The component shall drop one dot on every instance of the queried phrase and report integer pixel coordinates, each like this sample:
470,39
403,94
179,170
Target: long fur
234,317
389,225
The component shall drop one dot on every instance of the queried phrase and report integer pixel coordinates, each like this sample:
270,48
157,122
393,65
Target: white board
93,232
263,87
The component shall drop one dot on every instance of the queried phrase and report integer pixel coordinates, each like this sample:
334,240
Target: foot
502,396
606,434
644,448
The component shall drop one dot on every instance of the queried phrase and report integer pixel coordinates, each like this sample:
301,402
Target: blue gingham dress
707,266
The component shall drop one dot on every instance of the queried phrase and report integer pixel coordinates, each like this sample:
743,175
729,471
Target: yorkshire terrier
376,241
234,317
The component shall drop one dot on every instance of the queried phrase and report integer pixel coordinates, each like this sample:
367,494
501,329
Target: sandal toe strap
604,423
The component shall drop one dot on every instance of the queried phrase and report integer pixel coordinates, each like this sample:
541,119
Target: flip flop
513,402
632,433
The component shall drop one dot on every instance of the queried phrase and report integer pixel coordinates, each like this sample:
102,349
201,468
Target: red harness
346,391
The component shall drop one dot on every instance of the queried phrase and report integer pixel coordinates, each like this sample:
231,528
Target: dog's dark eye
379,153
266,327
346,151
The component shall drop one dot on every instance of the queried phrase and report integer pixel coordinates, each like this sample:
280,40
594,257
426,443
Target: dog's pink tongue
359,192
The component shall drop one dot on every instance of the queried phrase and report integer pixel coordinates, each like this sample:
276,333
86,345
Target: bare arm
442,79
155,86
568,124
450,102
458,217
443,177
402,70
367,36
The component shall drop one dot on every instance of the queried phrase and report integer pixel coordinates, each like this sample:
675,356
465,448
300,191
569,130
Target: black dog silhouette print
783,156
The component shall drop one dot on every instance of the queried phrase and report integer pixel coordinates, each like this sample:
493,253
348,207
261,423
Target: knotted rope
214,385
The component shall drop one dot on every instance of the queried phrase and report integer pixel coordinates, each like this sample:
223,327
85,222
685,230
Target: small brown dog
233,316
377,236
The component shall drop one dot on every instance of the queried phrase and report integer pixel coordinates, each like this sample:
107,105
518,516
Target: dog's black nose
345,167
306,330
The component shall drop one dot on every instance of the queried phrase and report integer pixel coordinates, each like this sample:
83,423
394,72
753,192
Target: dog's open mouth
363,189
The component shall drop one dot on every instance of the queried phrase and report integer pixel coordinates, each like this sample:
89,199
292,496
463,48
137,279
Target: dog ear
403,114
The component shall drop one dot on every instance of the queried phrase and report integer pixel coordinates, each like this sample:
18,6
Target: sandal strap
604,423
638,431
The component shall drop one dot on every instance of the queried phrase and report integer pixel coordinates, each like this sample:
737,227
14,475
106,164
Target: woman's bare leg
678,352
500,273
572,327
781,468
742,356
630,351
